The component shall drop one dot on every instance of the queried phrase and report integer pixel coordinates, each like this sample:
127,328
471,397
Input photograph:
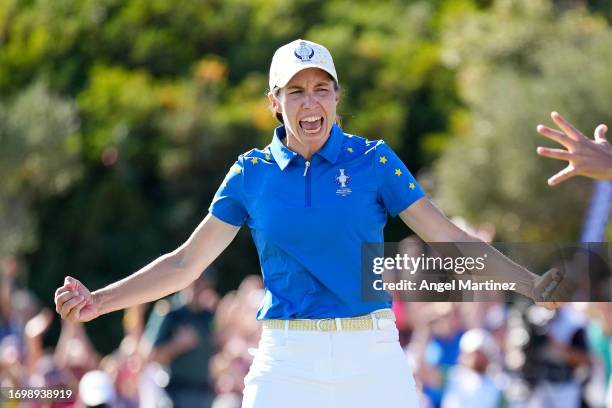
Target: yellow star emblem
398,172
238,169
411,186
254,160
350,150
382,159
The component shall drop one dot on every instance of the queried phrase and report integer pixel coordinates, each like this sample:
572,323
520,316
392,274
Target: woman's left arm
431,225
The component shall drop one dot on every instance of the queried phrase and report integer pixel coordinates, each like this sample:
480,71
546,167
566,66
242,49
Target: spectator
557,359
236,336
470,383
182,339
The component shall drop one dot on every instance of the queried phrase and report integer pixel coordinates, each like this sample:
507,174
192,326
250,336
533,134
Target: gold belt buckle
326,324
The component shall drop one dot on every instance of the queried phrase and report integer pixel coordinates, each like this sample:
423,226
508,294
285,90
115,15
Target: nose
309,100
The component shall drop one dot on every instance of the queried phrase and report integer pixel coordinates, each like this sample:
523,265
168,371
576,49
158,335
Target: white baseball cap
291,58
478,340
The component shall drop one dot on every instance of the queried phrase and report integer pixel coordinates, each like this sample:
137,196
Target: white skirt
335,369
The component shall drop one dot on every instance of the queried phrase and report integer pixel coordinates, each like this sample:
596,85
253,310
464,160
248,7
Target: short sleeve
228,204
397,187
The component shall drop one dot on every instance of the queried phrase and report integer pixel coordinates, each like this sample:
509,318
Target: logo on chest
342,179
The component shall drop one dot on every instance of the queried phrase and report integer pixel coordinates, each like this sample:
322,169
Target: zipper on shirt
307,175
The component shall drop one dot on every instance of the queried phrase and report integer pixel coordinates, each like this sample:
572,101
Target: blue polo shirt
309,219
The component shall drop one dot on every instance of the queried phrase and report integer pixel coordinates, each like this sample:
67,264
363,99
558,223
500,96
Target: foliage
515,64
39,149
118,119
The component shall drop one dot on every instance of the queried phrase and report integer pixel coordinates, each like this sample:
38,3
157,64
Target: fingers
76,285
543,284
71,299
552,289
566,127
68,306
556,136
553,285
71,282
75,313
561,176
59,291
67,294
600,133
558,154
546,285
62,298
66,298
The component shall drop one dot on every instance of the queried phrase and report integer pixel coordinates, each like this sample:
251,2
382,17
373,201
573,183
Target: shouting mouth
312,124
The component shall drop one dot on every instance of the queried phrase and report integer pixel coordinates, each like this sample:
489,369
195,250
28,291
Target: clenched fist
74,302
550,290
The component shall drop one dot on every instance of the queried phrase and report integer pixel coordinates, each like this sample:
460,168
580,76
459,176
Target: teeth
311,119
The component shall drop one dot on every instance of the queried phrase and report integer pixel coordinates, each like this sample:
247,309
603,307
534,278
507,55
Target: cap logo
304,52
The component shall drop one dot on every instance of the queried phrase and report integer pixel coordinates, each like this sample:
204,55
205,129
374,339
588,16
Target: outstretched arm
167,274
586,157
430,223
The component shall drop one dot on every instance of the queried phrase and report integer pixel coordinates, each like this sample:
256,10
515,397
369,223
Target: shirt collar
283,155
331,149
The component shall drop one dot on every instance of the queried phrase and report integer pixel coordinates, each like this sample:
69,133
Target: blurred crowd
188,350
194,348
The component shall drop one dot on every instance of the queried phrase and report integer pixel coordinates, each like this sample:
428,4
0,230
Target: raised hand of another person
38,325
586,157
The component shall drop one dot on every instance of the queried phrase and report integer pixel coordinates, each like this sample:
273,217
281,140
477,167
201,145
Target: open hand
586,157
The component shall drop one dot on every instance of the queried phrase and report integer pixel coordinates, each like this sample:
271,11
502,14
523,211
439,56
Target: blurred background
119,119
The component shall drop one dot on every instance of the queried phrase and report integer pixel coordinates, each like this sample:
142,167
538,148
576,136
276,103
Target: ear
274,102
336,90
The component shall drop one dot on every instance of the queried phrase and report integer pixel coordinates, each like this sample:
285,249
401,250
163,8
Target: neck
306,151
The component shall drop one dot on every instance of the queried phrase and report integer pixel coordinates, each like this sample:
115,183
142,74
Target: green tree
514,65
39,150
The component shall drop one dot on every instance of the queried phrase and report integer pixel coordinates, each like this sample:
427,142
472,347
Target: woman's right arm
167,274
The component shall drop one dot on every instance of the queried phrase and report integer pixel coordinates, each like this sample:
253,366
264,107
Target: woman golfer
310,198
